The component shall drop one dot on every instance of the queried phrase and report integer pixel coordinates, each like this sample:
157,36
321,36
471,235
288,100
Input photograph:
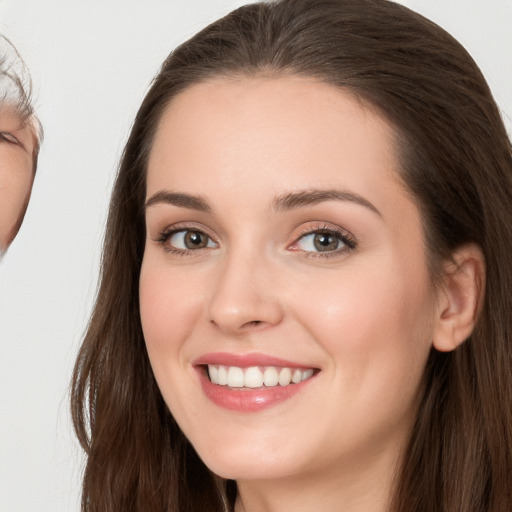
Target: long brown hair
456,160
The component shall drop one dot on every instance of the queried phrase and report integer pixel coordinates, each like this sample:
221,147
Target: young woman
305,294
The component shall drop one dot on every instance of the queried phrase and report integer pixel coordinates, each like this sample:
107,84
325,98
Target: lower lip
248,400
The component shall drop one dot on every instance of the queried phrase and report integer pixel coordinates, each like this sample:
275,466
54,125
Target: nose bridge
243,297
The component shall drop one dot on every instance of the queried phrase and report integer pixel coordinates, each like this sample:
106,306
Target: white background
91,62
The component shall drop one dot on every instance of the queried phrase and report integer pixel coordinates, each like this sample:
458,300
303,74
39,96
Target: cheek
171,302
375,326
167,307
375,329
15,188
16,178
14,192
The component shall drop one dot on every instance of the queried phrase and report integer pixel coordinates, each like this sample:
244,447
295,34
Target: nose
246,296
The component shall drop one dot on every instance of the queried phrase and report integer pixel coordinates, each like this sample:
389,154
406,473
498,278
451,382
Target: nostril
244,326
252,323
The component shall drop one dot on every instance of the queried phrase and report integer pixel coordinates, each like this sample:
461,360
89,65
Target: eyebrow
284,202
314,196
179,199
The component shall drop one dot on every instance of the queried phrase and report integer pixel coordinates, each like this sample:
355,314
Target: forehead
290,127
287,98
10,117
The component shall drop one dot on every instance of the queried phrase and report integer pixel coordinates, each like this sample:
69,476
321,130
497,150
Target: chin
254,470
249,462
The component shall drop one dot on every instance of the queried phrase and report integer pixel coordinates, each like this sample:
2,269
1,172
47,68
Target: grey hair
16,88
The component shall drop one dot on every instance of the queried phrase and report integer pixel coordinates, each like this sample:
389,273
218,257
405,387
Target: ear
460,297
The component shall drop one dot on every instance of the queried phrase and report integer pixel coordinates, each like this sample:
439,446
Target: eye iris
325,242
195,240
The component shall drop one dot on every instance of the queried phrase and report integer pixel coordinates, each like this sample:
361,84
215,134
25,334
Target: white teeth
270,376
253,377
306,374
223,376
285,377
235,377
256,376
213,372
297,376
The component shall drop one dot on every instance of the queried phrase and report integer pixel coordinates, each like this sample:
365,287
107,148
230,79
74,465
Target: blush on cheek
366,313
153,304
168,307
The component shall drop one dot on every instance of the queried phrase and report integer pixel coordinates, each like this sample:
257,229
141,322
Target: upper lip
246,360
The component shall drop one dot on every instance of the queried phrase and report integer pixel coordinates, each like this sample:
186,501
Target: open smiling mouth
252,388
251,382
254,377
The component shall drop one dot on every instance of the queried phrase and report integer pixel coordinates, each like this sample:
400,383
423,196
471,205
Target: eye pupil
195,240
325,242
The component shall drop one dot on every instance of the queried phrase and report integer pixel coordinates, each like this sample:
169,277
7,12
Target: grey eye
190,240
320,242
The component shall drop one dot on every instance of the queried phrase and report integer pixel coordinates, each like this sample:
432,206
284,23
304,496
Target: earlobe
460,297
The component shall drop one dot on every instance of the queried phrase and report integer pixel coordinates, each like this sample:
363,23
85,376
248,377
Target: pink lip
246,400
245,360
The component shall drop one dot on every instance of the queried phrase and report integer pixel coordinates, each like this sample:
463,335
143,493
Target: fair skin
17,146
277,228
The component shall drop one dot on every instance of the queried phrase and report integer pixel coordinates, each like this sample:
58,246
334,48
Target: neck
362,487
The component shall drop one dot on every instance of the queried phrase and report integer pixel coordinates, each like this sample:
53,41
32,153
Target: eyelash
168,233
344,237
9,137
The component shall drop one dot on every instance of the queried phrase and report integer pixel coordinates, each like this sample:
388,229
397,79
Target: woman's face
281,245
17,144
